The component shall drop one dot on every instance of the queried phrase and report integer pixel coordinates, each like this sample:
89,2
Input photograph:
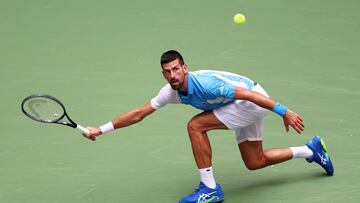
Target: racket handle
82,129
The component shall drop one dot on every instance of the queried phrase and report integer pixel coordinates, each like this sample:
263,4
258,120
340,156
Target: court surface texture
101,58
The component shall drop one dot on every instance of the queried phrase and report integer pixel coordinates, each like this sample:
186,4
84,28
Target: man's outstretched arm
123,120
290,118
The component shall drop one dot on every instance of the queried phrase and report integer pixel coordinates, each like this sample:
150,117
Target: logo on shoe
323,159
206,197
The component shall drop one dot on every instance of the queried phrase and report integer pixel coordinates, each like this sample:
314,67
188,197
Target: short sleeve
220,86
226,90
166,96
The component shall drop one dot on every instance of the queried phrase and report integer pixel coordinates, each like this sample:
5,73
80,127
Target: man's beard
177,86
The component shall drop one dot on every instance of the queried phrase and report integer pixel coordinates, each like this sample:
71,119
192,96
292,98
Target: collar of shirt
190,87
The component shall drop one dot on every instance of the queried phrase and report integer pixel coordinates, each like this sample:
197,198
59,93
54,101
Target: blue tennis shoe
320,155
203,194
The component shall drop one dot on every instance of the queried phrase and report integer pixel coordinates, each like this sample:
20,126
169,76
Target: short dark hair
169,56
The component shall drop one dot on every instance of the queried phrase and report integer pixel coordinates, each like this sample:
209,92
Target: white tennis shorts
245,117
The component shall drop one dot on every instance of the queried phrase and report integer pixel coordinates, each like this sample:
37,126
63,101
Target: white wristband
107,127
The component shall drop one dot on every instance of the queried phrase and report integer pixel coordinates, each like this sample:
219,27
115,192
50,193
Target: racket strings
44,109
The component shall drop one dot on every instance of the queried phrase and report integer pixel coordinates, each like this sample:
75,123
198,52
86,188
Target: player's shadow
270,181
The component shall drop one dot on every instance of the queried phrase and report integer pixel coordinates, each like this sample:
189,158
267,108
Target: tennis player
228,101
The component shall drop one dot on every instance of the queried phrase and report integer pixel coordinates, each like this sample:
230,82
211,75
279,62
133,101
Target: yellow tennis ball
239,19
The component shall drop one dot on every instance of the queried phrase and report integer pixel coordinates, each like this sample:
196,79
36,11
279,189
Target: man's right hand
94,132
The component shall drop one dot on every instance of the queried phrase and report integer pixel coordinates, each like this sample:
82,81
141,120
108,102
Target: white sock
207,177
301,152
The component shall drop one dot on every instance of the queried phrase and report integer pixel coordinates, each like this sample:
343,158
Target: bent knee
254,165
194,126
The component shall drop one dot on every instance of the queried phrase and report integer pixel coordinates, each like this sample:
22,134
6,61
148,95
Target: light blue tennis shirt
207,90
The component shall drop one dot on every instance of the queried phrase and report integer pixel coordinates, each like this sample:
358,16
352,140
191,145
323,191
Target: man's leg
315,150
198,126
253,154
255,157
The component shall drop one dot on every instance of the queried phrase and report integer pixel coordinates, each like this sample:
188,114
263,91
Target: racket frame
56,121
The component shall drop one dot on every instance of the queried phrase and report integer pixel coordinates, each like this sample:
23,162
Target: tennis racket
47,109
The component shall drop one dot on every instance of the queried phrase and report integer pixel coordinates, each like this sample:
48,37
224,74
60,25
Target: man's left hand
293,119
